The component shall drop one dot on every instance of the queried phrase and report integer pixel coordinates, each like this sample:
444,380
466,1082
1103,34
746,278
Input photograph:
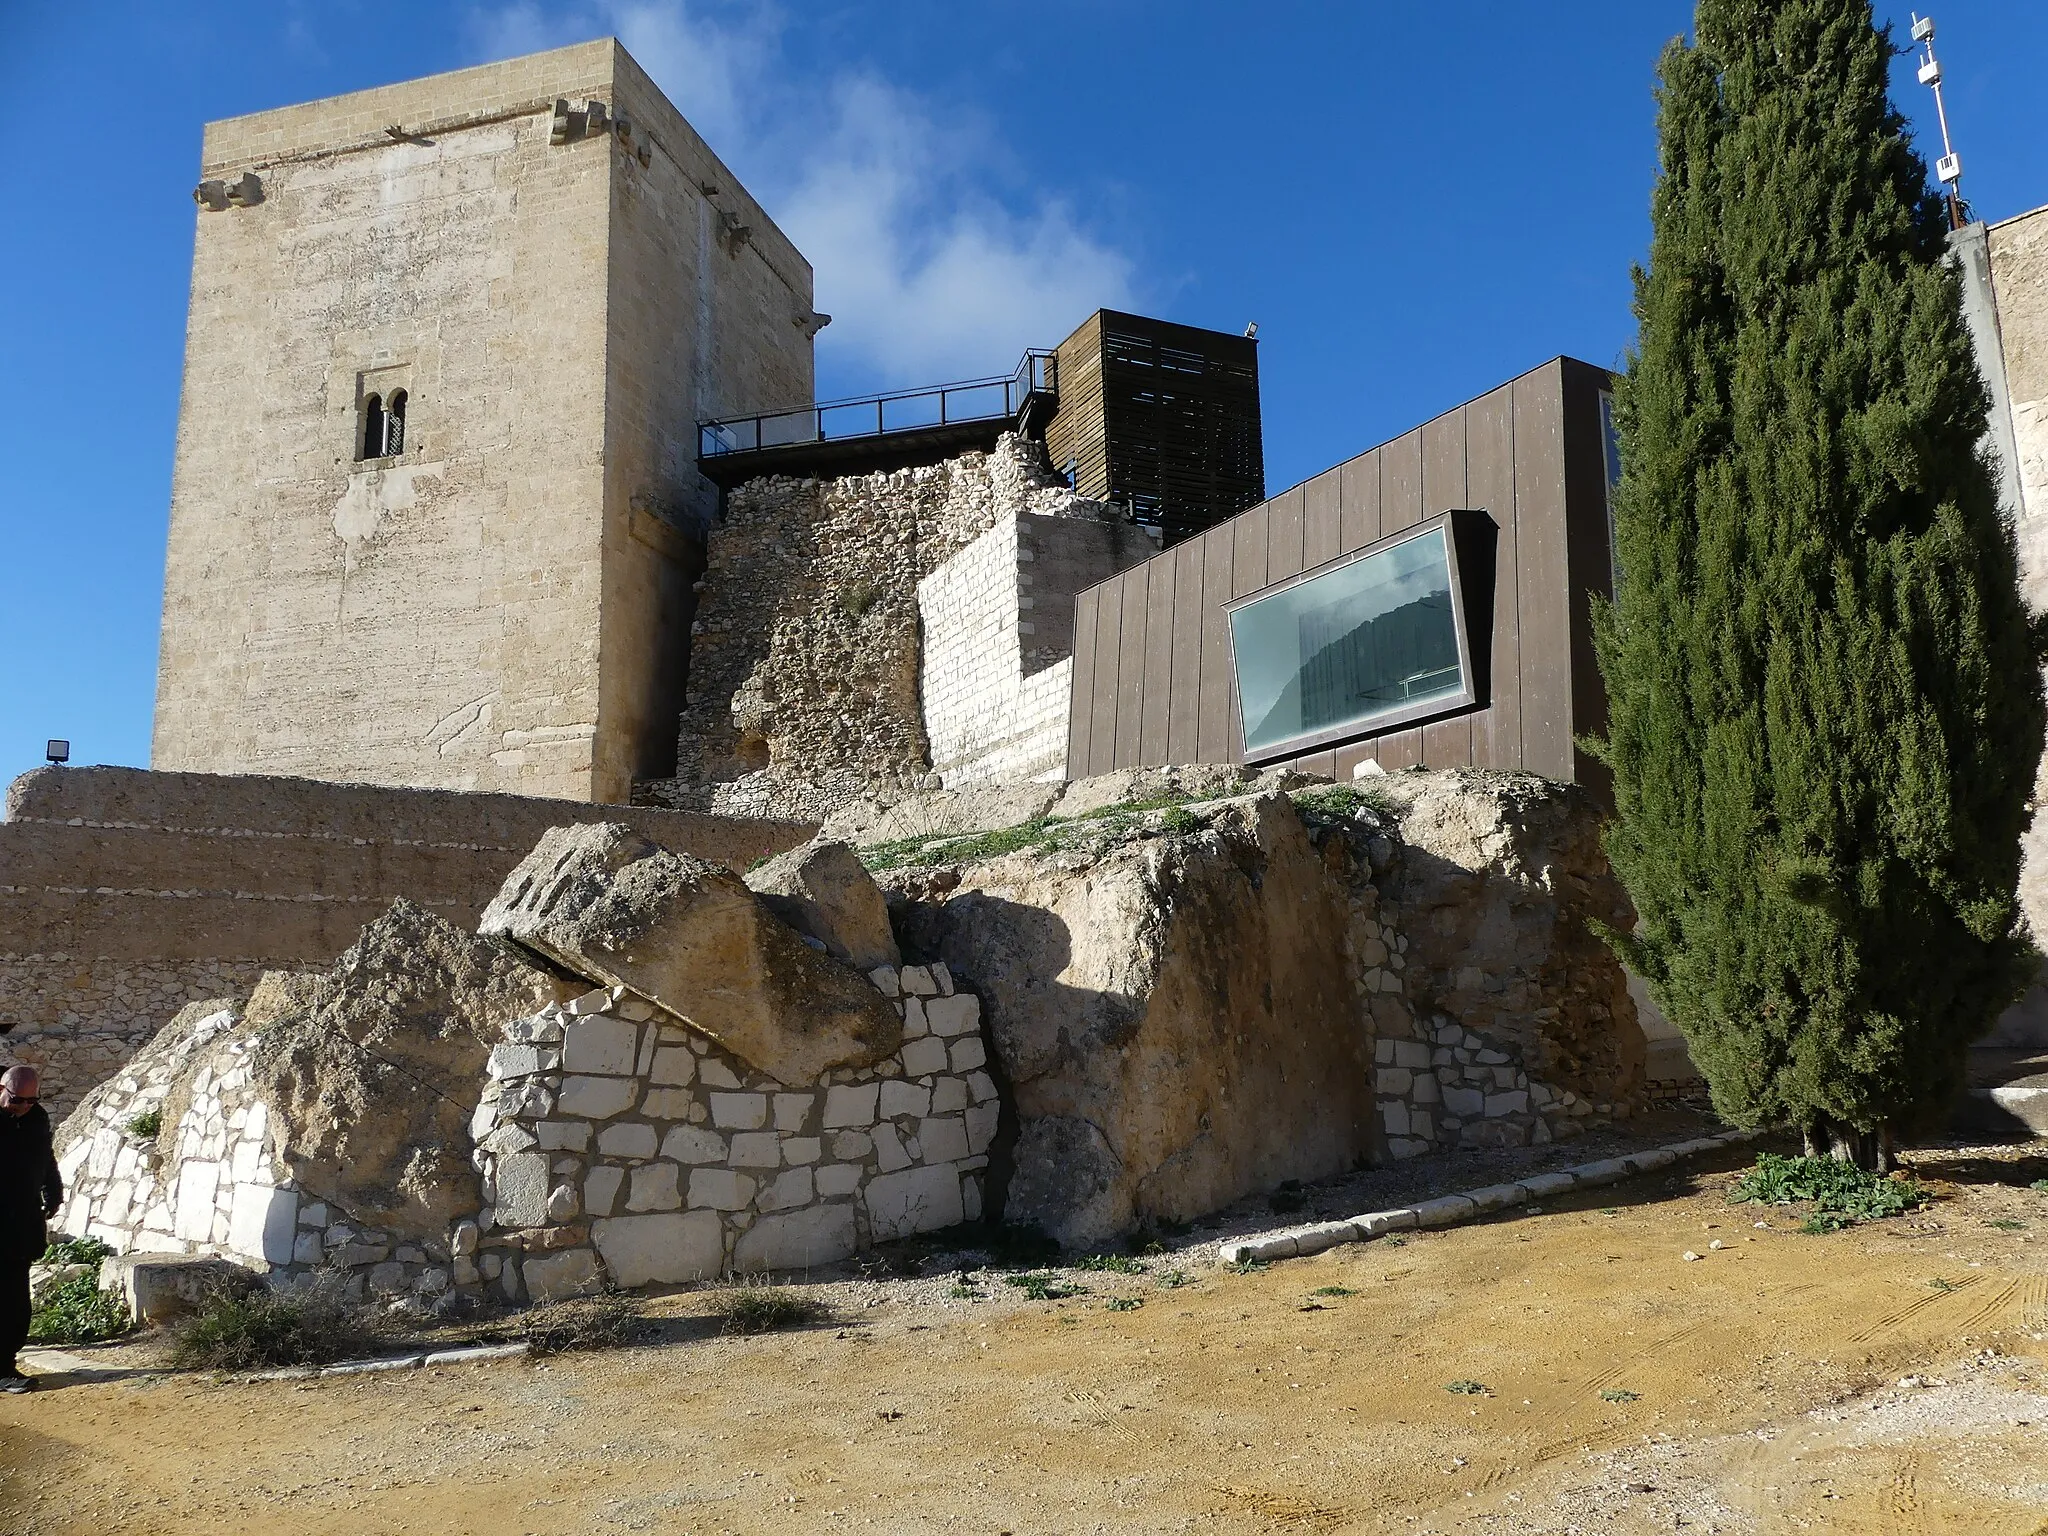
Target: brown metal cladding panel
1401,484
1346,758
1321,504
1109,614
1443,463
1217,738
1183,735
1324,763
1589,557
1490,486
1157,701
1283,535
1081,692
1448,743
1359,511
1400,749
1544,574
1130,667
1248,567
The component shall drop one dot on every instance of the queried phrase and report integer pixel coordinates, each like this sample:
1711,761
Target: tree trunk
1871,1150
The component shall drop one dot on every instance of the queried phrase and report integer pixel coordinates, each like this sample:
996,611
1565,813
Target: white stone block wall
620,1147
997,666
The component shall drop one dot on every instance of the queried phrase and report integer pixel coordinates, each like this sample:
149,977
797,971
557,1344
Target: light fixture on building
57,753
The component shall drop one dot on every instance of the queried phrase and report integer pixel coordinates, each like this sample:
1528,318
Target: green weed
78,1312
747,1309
147,1125
1174,1279
1842,1194
1464,1387
1111,1263
246,1332
1039,1286
76,1250
2006,1224
1619,1395
1123,1304
1333,1290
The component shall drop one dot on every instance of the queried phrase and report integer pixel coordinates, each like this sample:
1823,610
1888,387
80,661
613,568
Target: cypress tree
1825,709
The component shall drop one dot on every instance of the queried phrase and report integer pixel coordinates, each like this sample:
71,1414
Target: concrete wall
999,639
125,894
474,613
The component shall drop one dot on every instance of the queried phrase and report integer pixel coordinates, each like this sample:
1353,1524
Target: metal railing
903,410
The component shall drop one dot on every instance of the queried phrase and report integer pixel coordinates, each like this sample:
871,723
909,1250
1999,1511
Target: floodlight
57,752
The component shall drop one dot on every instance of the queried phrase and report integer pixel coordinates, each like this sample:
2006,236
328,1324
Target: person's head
20,1090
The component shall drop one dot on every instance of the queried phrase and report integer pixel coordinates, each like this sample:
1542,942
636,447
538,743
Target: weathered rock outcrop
333,1105
1500,879
822,889
604,904
1198,1001
1175,1014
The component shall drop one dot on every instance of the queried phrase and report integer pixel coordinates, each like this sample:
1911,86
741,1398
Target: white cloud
928,274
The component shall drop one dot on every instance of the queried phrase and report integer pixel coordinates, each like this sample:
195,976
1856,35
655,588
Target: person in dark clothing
30,1193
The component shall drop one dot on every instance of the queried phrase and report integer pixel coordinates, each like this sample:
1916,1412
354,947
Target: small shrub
1333,1290
76,1250
749,1309
1111,1263
236,1332
1039,1286
586,1323
964,1291
1249,1267
1465,1387
2041,1185
1178,820
78,1312
1123,1304
1842,1193
1174,1279
147,1125
1619,1395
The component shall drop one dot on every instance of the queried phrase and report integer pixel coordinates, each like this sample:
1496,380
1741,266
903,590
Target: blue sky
1414,202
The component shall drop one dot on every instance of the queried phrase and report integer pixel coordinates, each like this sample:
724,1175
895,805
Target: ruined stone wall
616,1148
474,612
805,655
999,641
125,894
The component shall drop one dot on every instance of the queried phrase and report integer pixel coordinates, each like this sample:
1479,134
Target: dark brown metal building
1368,623
1161,419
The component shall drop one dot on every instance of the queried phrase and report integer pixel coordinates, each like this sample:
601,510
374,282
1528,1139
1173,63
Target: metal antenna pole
1949,168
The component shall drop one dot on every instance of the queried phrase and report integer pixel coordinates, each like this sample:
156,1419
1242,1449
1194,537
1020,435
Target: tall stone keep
435,518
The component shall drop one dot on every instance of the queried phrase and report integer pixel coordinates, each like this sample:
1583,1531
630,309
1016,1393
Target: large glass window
1374,641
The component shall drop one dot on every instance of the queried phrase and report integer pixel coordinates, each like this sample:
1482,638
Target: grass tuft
236,1332
1343,802
1842,1194
587,1323
1040,1286
1111,1263
78,1312
749,1309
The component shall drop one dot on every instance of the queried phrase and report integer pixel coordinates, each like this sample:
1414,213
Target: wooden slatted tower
1162,419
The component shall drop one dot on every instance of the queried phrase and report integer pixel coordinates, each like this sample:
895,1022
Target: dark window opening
373,429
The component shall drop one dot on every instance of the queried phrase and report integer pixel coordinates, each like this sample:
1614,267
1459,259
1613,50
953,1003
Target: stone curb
472,1354
1449,1210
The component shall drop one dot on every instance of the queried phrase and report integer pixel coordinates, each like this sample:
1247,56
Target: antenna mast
1949,168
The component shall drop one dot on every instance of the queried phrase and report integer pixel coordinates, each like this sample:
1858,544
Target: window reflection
1372,639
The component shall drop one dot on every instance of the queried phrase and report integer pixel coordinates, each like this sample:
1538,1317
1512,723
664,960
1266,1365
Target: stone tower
435,516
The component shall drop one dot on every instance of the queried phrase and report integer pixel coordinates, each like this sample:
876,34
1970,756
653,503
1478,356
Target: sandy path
1765,1379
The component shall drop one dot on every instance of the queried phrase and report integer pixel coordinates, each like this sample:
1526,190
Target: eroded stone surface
604,903
823,890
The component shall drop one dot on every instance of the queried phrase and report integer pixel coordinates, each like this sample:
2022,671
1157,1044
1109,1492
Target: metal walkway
880,432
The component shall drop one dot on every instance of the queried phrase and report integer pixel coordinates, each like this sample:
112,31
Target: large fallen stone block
824,890
161,1286
606,905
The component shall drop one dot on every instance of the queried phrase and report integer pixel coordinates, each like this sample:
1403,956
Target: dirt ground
1890,1378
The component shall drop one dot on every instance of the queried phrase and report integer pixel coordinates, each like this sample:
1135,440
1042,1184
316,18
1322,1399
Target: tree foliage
1825,712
